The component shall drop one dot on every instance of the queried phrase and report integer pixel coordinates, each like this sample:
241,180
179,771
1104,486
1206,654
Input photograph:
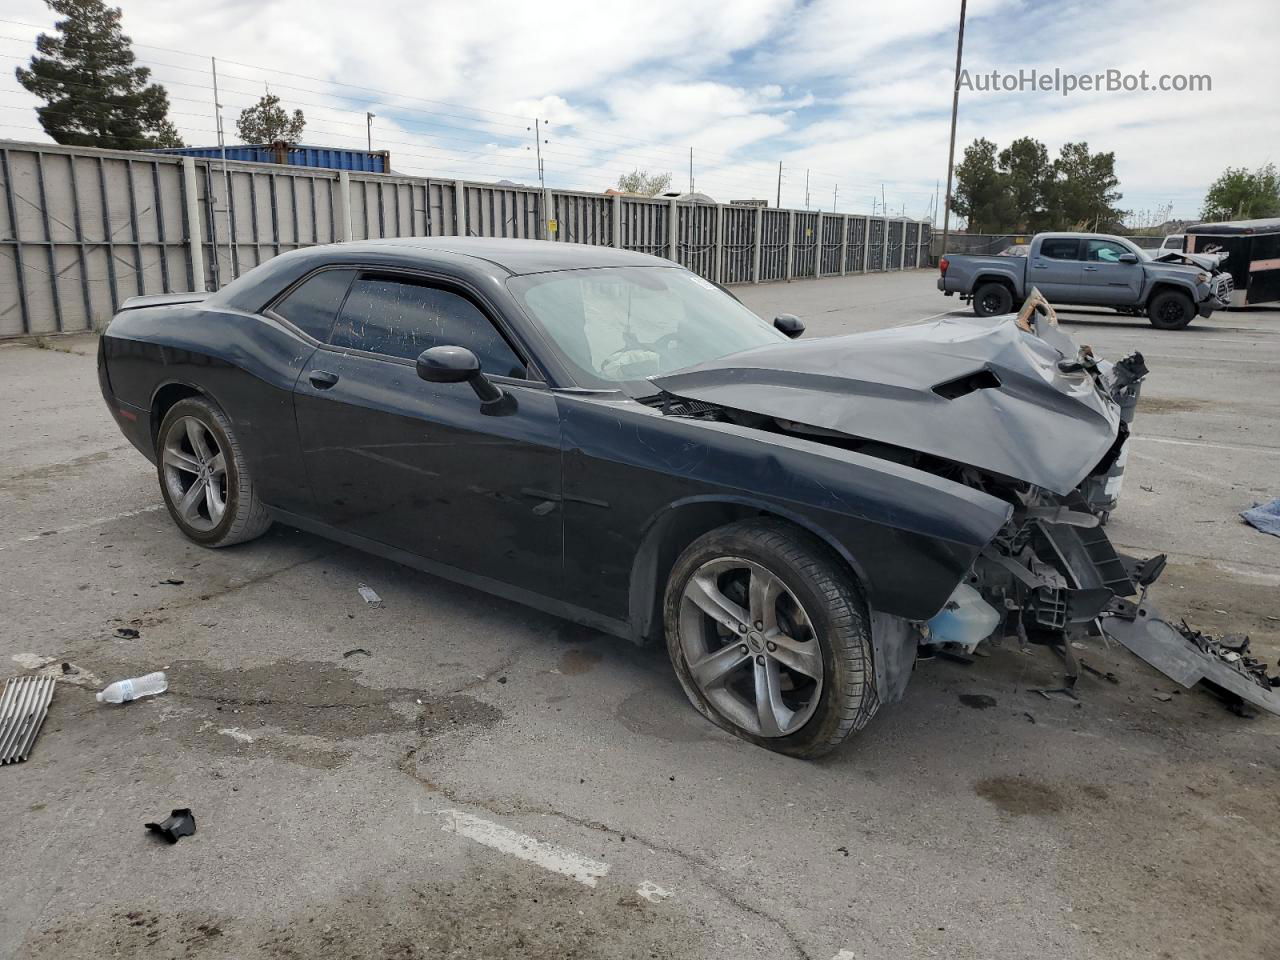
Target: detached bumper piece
1187,656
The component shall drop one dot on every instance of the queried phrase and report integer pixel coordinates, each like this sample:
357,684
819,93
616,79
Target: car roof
516,257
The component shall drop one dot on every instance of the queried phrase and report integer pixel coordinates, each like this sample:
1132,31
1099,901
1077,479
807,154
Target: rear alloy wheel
770,639
992,300
203,477
1170,310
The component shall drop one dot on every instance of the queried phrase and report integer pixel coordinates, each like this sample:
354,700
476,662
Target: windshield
615,324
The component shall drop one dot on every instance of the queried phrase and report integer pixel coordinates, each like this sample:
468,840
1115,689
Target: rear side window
313,306
397,317
1061,248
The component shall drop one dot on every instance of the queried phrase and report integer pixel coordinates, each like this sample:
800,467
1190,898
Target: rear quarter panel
244,363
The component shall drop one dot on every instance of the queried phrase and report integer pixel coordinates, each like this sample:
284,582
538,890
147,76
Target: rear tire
992,299
790,624
203,476
1170,310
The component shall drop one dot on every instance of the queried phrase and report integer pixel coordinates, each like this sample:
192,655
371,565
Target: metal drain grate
22,709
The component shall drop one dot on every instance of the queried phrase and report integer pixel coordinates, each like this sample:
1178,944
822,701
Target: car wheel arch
678,524
168,394
1166,286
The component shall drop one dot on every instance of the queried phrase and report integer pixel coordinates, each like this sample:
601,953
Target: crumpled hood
979,391
1205,261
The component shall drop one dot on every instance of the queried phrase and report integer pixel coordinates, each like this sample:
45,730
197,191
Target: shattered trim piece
23,707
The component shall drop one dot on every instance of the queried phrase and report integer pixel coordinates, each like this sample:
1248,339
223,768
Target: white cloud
857,94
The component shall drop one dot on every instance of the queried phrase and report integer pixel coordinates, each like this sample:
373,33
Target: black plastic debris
179,824
356,650
172,582
127,633
977,701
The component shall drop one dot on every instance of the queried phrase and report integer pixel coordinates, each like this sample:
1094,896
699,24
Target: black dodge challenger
607,436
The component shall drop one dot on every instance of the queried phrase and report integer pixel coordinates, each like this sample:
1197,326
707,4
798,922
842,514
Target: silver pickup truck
1095,270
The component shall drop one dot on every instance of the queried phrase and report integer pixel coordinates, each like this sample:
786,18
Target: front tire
770,638
203,476
992,300
1170,310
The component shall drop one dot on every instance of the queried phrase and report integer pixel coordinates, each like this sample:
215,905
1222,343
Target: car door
1103,279
1054,268
417,465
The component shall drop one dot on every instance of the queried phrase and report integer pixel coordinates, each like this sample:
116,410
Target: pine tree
94,94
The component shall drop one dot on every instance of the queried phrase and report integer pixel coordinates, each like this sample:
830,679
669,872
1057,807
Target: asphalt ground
487,781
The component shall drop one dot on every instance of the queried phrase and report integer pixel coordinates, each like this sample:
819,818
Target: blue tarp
1264,516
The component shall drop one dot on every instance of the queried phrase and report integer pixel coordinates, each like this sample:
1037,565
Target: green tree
644,183
266,122
1243,195
981,196
1083,191
95,96
1028,181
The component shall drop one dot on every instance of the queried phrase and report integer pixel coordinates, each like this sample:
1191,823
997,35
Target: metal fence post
617,221
820,239
717,246
902,260
921,259
673,231
195,232
791,242
755,254
547,218
844,242
344,206
460,207
866,244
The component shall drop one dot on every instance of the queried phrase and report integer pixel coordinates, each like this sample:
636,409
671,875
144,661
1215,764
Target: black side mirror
455,365
1127,258
789,324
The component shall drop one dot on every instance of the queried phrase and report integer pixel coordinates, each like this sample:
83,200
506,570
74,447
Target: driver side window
1103,251
400,317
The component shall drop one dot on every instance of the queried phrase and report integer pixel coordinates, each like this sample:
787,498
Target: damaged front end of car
1014,407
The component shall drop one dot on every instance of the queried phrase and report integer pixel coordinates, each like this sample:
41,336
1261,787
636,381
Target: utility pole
835,196
884,206
933,214
226,177
955,107
779,203
691,169
806,189
537,146
368,122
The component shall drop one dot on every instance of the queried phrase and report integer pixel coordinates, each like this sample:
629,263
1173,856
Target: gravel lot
491,782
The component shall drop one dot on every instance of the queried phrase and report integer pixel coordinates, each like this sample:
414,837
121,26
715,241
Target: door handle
322,379
1091,269
1040,266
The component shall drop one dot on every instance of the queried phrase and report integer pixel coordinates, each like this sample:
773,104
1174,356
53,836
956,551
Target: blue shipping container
364,161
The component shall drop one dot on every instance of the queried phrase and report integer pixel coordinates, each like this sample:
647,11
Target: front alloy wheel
770,638
750,647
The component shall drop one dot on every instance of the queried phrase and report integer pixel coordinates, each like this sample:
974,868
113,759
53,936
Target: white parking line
545,855
1205,443
82,525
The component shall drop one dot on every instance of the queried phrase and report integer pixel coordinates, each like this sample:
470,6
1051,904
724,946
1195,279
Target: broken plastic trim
180,823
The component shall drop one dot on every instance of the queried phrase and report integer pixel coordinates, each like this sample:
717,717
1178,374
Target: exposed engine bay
1014,407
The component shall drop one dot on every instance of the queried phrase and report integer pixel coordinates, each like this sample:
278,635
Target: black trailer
1253,249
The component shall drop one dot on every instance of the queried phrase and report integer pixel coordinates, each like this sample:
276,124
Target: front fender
909,535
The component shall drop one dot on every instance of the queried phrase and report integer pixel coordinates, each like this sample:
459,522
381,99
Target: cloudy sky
856,93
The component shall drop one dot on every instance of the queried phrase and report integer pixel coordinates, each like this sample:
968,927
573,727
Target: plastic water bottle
122,691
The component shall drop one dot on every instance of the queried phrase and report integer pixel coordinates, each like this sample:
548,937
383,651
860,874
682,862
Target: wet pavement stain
977,701
576,662
1020,796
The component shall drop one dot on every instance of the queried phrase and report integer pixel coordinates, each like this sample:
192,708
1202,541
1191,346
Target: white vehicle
1171,244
